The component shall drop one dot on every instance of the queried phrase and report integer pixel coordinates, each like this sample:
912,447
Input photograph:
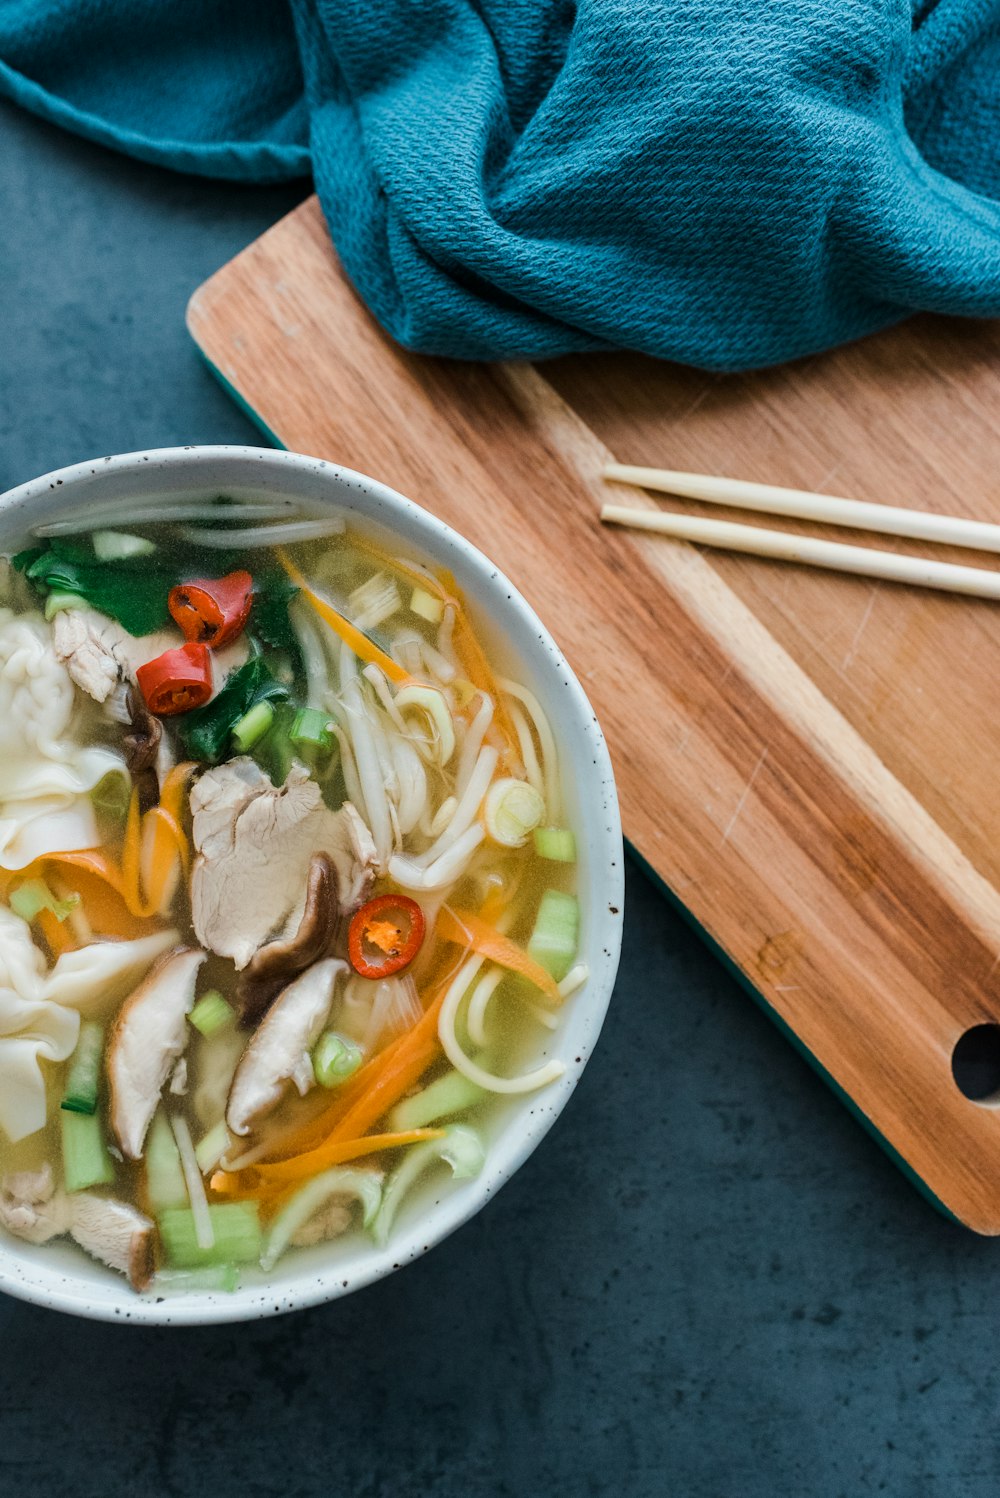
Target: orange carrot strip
473,933
59,940
366,649
334,1152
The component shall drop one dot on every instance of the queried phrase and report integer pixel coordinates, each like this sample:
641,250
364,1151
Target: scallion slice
85,1070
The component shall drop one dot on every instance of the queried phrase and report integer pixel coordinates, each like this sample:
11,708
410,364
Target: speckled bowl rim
574,723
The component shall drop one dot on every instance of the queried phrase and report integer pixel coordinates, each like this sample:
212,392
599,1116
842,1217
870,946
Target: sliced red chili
212,610
177,680
385,935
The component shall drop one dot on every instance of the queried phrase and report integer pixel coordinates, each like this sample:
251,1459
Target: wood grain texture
807,761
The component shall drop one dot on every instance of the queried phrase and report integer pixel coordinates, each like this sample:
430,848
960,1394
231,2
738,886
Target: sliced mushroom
255,843
141,746
278,1054
116,1233
148,1036
274,966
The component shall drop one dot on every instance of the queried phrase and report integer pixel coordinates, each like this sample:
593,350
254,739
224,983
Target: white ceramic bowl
61,1276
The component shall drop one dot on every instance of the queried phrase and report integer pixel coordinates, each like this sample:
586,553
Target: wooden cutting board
808,761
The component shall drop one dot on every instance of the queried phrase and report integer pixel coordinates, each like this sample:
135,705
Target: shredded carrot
364,648
59,940
334,1152
476,935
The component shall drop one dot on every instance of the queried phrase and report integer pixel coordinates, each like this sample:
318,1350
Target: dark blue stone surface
707,1283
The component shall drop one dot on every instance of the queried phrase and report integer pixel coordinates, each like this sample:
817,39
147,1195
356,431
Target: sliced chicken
255,843
149,1034
112,1231
278,1054
98,653
30,1208
116,1233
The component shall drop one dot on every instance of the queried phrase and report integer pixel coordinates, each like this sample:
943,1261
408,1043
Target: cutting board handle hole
975,1064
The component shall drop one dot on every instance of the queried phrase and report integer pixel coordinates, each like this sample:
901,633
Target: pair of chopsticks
766,499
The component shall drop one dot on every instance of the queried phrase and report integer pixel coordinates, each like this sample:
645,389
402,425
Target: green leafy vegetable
206,732
269,617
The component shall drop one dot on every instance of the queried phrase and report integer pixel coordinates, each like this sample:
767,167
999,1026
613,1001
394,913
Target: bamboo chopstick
919,525
757,541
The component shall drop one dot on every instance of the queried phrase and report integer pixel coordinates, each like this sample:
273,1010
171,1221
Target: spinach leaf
205,732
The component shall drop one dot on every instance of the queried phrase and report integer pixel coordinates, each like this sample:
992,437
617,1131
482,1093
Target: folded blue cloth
728,183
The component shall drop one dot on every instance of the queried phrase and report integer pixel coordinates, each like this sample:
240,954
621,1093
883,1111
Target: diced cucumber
554,940
442,1098
221,1277
236,1227
86,1161
555,843
85,1069
164,1172
211,1013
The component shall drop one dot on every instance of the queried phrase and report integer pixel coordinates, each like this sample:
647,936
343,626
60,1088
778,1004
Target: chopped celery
211,1147
211,1013
442,1098
235,1225
253,726
34,896
85,1069
57,602
555,843
342,1180
164,1172
310,729
554,940
115,546
222,1277
461,1148
334,1058
426,606
86,1161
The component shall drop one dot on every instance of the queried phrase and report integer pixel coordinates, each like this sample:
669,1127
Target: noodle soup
289,889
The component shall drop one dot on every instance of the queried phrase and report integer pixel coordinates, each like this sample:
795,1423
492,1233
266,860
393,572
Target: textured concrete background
707,1283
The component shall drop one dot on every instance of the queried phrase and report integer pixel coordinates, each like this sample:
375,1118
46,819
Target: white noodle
264,535
484,990
376,676
314,656
468,805
168,514
550,757
203,1231
532,768
365,755
411,777
437,664
574,979
442,816
529,1082
444,871
352,783
473,742
445,629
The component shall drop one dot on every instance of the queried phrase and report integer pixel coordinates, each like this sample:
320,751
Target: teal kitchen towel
729,183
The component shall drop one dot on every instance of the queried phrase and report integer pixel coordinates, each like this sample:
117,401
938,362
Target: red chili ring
397,942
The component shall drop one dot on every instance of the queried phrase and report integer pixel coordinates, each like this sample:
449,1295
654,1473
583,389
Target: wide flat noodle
40,1012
